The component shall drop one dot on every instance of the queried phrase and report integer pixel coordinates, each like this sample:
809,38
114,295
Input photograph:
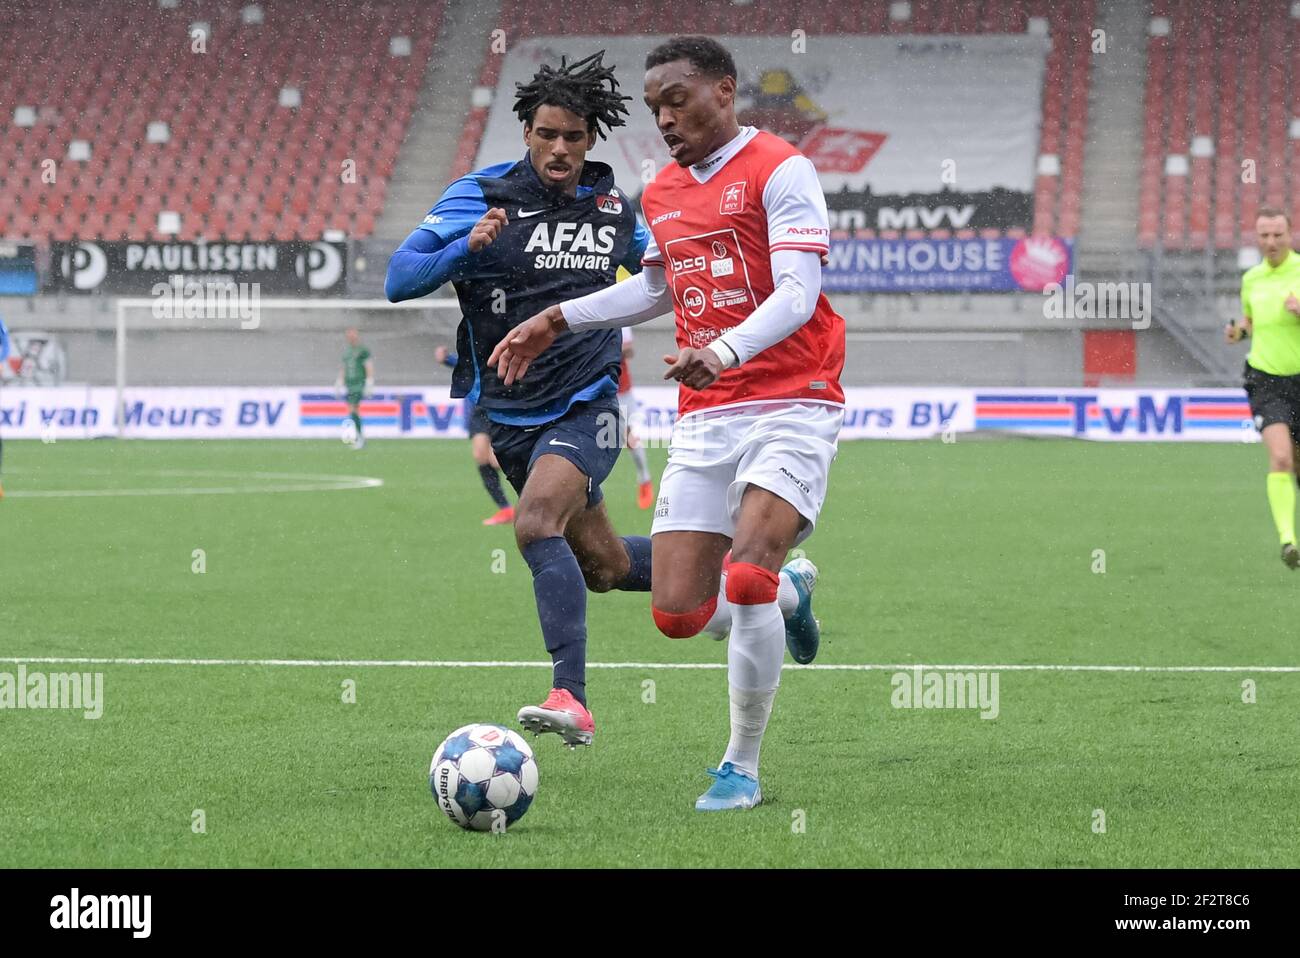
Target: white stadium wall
1139,415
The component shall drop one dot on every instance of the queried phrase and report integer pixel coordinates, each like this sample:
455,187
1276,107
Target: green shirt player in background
1270,306
357,374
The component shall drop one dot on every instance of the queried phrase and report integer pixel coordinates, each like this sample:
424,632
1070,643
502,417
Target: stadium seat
1221,73
222,108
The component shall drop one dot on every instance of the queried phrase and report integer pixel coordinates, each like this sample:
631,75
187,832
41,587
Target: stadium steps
1108,238
426,156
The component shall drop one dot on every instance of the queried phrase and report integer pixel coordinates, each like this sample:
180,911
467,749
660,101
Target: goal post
226,340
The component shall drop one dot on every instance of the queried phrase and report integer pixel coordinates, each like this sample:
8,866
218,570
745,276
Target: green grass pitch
980,553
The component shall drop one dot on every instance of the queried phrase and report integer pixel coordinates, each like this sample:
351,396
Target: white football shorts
785,447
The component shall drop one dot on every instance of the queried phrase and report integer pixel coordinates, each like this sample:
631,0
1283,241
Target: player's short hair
587,88
1271,211
704,53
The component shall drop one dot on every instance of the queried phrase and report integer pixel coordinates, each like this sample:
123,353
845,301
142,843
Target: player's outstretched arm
797,276
635,300
640,297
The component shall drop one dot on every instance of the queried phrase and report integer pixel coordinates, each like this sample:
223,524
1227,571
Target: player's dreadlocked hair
577,87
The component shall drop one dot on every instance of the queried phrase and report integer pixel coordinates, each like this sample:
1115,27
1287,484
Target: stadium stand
238,117
1222,122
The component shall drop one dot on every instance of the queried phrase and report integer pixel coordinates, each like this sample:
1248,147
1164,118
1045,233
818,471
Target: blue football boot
802,633
731,788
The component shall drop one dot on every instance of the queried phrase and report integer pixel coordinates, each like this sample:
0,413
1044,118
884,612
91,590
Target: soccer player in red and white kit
740,227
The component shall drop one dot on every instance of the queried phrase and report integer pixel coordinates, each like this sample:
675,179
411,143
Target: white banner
889,412
225,413
902,115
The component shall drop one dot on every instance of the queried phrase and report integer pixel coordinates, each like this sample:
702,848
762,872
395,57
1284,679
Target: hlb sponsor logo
693,300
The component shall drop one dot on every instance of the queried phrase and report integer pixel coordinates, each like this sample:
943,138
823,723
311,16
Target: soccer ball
484,777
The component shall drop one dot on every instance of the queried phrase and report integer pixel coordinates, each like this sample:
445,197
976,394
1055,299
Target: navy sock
562,608
492,483
638,573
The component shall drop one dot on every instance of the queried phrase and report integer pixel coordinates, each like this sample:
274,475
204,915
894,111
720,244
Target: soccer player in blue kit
514,238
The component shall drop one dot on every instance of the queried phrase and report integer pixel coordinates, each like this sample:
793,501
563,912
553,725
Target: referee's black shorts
1273,399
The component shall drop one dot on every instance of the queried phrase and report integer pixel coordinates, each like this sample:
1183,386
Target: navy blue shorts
476,420
589,435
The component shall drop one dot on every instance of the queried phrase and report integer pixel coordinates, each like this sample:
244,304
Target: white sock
754,657
786,597
638,457
719,623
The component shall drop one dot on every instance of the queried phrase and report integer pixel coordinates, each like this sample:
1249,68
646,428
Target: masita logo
102,911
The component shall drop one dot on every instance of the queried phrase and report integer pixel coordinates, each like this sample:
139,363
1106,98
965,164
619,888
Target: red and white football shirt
714,227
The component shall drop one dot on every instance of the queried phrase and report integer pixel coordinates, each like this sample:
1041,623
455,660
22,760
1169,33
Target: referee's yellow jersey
1275,330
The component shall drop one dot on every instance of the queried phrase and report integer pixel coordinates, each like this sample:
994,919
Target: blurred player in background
645,490
4,354
513,238
739,227
476,424
1270,307
357,377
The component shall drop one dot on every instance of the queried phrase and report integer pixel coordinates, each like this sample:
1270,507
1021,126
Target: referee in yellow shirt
1270,306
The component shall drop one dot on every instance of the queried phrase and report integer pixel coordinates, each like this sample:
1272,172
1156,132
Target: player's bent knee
683,625
749,584
530,527
598,579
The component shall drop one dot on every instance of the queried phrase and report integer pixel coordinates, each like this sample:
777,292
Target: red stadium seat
221,108
1222,73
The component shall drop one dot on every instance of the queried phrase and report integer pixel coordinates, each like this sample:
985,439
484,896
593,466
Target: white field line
287,482
714,666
